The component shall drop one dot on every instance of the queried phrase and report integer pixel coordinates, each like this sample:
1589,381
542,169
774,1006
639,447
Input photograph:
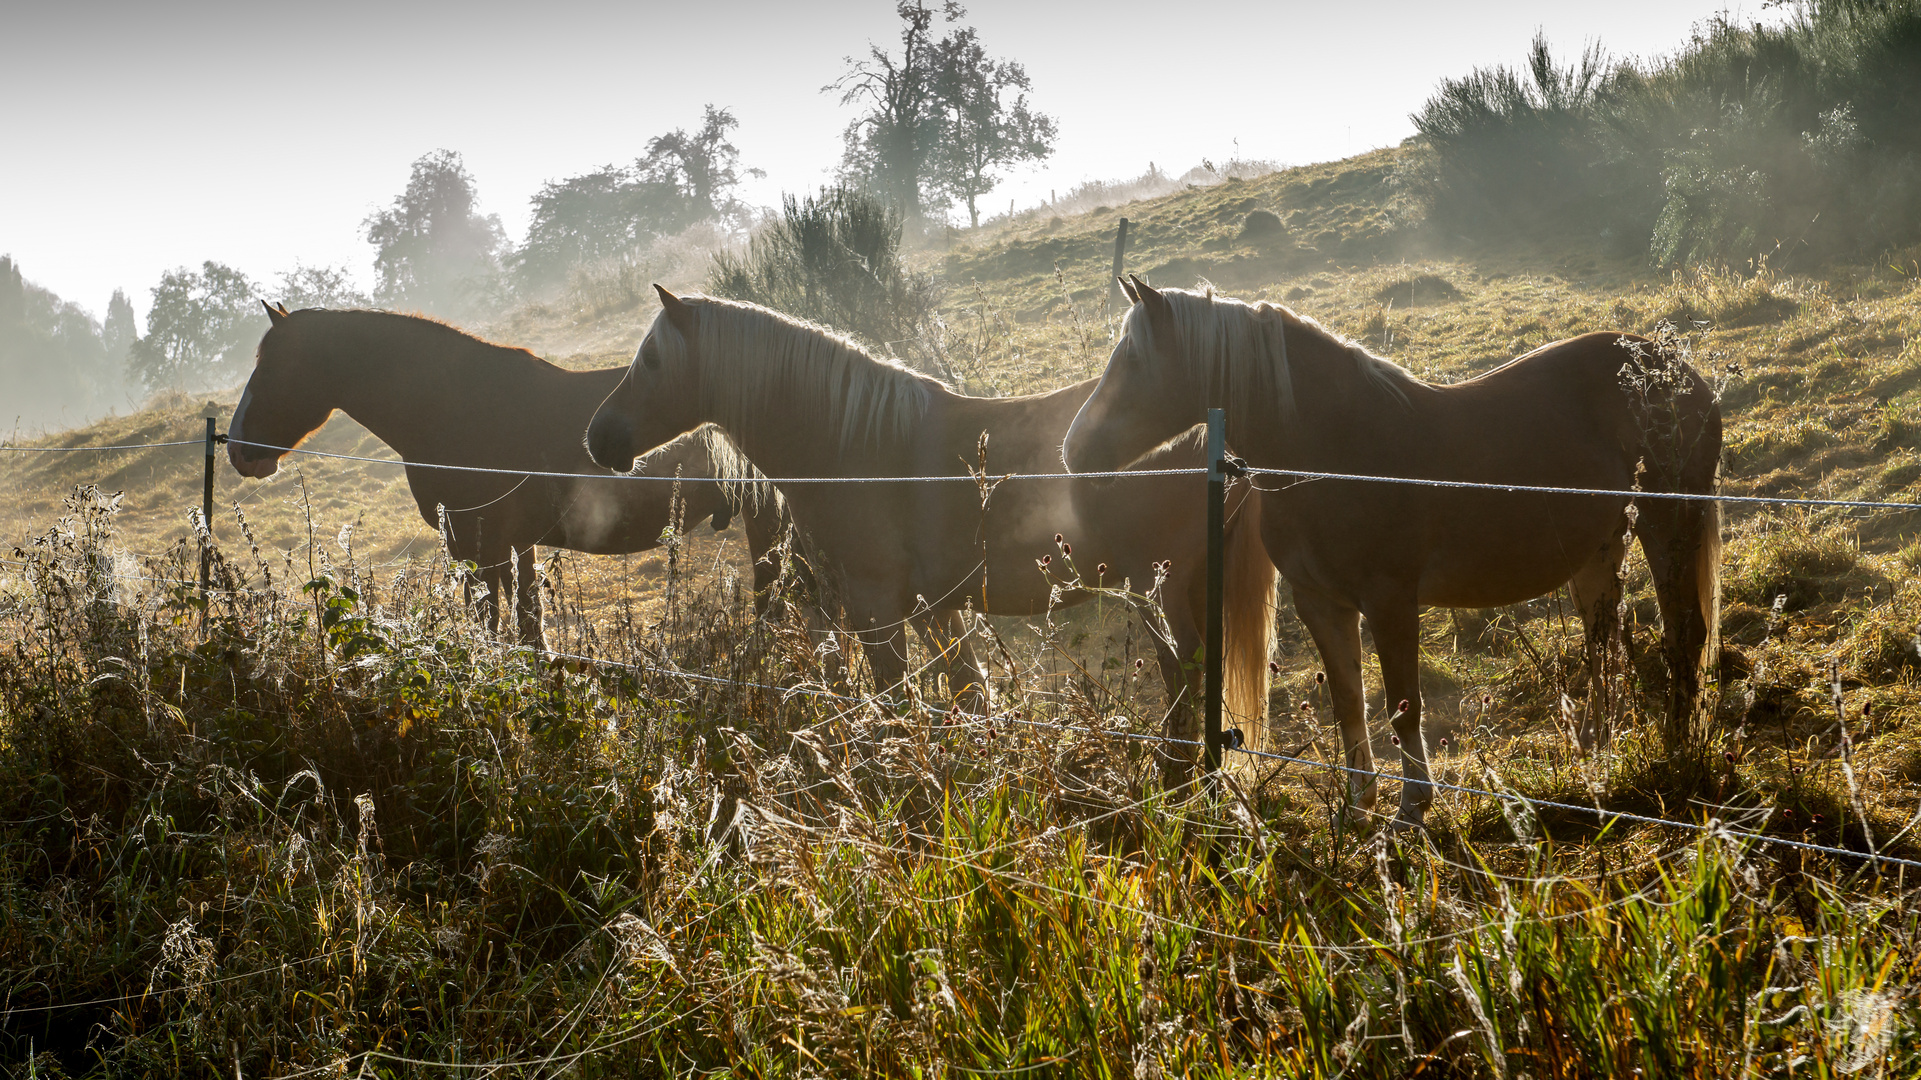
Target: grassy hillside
308,830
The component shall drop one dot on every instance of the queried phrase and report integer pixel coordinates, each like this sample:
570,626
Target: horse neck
1334,400
411,393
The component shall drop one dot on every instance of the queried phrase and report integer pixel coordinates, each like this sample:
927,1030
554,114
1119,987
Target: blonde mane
745,487
1239,351
760,367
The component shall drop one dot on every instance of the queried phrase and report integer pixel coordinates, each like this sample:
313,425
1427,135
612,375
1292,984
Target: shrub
834,258
1749,140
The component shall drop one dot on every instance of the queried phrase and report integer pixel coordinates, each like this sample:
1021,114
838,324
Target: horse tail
1682,542
1248,618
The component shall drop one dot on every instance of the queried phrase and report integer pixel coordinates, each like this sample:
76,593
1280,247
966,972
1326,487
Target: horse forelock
760,367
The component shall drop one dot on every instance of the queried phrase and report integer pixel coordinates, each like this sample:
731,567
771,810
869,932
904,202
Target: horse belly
1509,553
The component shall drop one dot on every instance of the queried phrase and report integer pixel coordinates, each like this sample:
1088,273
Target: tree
702,168
434,247
682,180
120,331
939,122
982,131
319,287
890,145
13,294
201,329
53,365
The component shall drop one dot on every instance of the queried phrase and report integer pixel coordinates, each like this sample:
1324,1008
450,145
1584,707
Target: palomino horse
804,402
441,397
1601,411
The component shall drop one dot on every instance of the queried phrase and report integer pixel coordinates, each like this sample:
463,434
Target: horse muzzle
251,461
610,442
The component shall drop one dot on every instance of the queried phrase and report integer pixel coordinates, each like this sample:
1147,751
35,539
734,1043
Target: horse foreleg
763,522
1596,591
1396,626
493,574
884,642
527,600
1182,674
1336,630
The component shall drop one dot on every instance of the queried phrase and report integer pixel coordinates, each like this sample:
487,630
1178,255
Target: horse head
659,398
283,401
1143,398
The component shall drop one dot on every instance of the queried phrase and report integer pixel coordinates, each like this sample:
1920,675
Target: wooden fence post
1114,281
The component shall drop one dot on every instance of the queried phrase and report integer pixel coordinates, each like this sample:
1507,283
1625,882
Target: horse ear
678,312
272,315
1144,293
1128,288
282,305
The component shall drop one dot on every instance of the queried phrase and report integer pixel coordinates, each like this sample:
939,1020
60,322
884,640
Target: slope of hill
886,889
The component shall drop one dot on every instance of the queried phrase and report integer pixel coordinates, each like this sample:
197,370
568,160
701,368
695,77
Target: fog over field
149,137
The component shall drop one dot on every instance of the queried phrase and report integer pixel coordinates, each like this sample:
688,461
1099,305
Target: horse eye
649,355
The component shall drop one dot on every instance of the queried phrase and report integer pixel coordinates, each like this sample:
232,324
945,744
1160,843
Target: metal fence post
1216,579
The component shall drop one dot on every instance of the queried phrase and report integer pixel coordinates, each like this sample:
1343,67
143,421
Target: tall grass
318,821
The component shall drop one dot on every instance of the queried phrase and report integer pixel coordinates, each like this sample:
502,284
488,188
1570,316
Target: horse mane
761,366
746,487
1240,350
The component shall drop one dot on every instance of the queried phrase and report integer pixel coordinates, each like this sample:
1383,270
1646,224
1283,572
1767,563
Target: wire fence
1711,826
1109,474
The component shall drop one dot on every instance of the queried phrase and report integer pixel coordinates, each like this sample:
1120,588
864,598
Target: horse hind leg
1336,630
1596,591
1397,637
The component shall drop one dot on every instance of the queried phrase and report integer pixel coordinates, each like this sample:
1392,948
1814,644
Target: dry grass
548,865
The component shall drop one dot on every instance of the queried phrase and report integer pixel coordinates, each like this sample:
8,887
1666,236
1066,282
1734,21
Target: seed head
1320,677
1101,570
1066,548
1046,559
1274,667
1058,538
1395,739
1402,707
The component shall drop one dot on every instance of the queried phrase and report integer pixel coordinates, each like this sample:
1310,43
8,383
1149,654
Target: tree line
938,122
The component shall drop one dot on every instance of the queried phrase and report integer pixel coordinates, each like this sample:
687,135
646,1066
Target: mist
263,138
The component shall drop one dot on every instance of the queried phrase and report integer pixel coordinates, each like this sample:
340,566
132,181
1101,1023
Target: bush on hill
1751,140
835,258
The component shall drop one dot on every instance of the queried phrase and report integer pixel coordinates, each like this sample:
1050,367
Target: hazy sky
144,136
